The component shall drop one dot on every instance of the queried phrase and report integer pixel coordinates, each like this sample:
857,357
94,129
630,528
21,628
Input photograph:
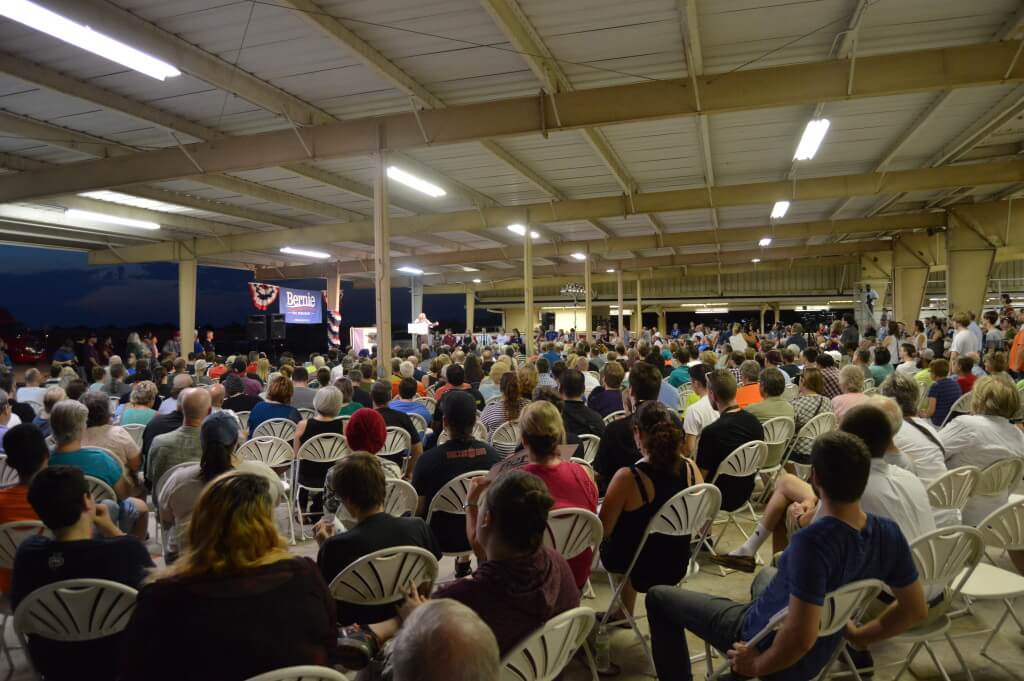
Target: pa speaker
277,327
256,328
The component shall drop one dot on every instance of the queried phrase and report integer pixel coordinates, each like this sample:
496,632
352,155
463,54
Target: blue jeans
672,612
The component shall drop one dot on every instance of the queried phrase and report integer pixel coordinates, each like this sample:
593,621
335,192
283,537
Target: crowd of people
164,429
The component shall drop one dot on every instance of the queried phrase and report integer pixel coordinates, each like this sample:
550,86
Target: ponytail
510,393
216,459
662,439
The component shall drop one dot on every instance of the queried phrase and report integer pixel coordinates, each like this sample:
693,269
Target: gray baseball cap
220,426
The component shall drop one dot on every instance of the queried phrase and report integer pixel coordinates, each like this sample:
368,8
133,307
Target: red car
22,347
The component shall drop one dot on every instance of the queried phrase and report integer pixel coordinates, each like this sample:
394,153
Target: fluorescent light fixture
713,310
815,308
610,270
521,230
779,210
466,268
419,184
135,201
534,235
767,241
75,214
51,23
476,281
309,254
839,302
410,270
813,135
755,260
580,256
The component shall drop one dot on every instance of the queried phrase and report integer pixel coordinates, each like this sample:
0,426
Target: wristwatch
469,504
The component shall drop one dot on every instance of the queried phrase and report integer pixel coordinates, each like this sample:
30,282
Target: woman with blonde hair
276,405
491,386
527,377
507,408
851,380
263,369
569,484
140,404
235,599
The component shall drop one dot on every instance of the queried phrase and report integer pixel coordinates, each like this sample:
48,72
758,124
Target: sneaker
463,569
357,645
727,560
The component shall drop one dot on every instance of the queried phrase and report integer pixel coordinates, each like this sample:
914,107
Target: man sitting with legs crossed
844,544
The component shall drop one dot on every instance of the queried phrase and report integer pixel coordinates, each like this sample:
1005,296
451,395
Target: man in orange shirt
750,391
1017,353
27,454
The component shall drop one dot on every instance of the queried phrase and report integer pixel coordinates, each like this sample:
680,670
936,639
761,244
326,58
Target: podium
419,329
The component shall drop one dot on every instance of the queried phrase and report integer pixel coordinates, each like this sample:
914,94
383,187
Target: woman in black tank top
635,494
326,403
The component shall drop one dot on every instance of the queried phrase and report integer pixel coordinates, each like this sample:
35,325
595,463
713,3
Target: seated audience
32,393
851,380
276,405
965,376
829,375
359,483
843,545
808,404
100,433
443,640
699,414
748,391
326,404
943,393
181,445
636,494
579,419
507,407
140,404
52,396
380,393
735,427
406,401
916,439
608,397
364,432
86,544
772,384
235,598
237,400
490,387
179,383
302,394
882,367
27,454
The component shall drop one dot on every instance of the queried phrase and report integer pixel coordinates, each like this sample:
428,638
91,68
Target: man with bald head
180,445
443,640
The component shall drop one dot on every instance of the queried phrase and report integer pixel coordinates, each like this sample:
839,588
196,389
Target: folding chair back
164,478
115,402
869,383
1003,528
961,406
1000,477
383,576
8,476
817,425
100,490
479,433
419,423
685,390
506,437
544,655
272,451
744,461
243,418
791,391
953,489
75,610
943,555
589,445
571,531
427,402
398,441
12,534
614,416
301,673
451,497
586,464
306,414
136,430
324,448
280,428
491,400
400,497
777,434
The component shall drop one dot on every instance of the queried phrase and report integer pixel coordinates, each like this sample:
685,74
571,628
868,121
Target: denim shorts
124,514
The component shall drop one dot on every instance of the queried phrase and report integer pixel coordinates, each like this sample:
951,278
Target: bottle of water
602,649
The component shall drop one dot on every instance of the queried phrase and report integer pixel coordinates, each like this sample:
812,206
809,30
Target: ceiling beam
880,75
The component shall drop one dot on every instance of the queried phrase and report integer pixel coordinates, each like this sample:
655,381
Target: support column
970,254
531,340
638,324
416,294
588,302
382,265
911,264
470,311
622,310
334,289
187,271
662,322
764,307
777,309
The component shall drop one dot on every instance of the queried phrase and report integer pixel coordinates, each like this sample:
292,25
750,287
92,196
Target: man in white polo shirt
700,414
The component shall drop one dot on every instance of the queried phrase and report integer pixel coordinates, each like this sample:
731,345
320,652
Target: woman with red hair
364,432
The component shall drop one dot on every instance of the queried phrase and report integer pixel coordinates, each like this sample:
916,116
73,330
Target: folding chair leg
935,659
960,657
1013,614
590,661
6,648
707,658
914,650
588,590
848,661
999,625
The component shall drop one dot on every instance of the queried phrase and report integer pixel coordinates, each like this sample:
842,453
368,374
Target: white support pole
187,272
588,306
382,266
638,325
622,309
470,312
528,332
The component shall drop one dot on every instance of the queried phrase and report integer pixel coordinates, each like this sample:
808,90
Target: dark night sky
45,288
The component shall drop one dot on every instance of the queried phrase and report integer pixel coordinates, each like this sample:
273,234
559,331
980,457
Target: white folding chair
777,434
419,423
450,499
8,476
136,430
846,603
156,496
791,391
816,426
571,531
999,478
279,428
243,418
115,402
479,433
273,451
953,489
383,576
685,390
323,448
614,416
100,490
74,610
1002,529
505,438
689,512
307,414
869,383
589,445
301,673
400,498
922,391
546,652
51,442
398,442
429,402
961,406
11,535
489,400
744,462
945,558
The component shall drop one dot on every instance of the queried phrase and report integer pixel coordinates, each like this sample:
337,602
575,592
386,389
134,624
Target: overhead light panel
467,268
516,228
579,256
610,270
779,210
301,251
812,138
476,281
75,214
767,241
79,35
410,270
712,310
419,184
135,201
755,260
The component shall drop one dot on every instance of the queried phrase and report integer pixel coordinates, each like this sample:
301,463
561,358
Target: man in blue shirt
550,354
844,544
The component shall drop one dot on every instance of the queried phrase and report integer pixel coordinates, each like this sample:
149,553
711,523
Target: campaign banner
301,307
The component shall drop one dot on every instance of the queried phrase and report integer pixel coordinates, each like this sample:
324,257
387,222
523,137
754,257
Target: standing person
236,569
870,296
964,340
